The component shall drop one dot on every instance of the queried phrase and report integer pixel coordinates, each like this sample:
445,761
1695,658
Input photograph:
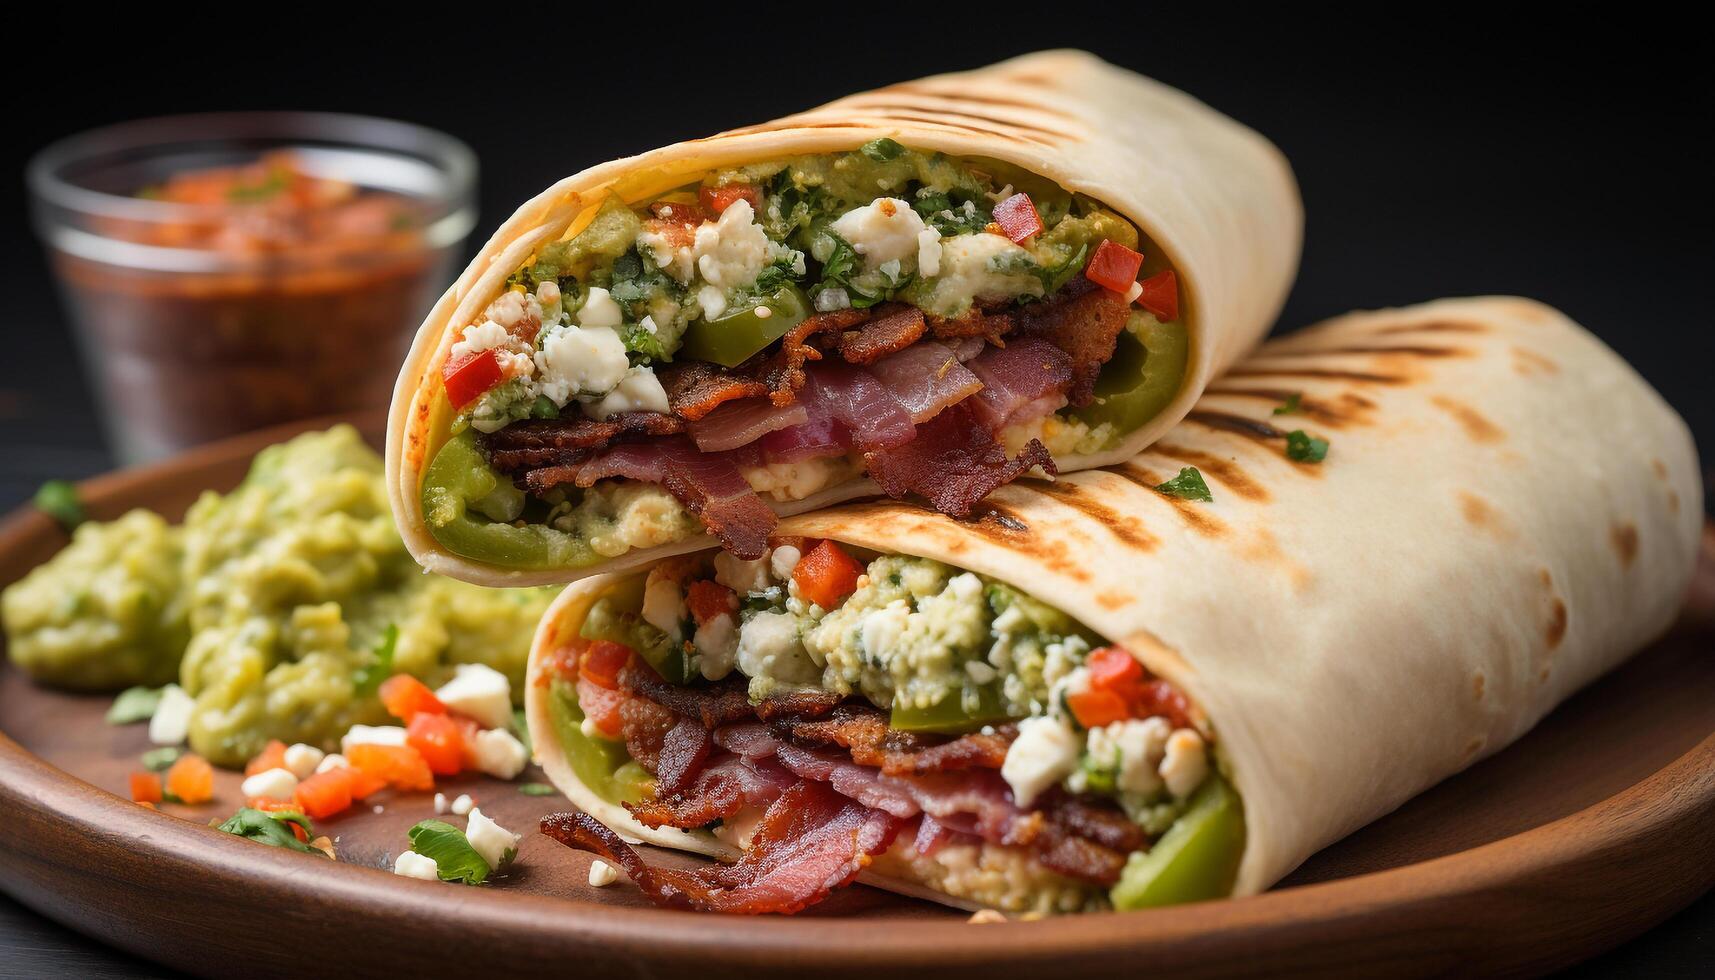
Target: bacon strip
683,752
727,786
1085,321
810,841
863,731
543,442
891,328
953,463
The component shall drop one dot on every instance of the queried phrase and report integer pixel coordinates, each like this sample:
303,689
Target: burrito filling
943,325
825,710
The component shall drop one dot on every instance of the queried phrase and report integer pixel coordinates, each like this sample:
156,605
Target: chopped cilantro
455,859
162,758
272,829
536,789
881,150
59,500
1305,448
134,704
1291,406
1188,485
954,212
369,677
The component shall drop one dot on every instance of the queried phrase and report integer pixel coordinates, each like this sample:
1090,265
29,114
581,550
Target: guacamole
288,599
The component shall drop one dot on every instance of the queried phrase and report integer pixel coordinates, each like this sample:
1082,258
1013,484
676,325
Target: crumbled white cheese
512,308
489,839
929,252
463,804
769,647
664,604
882,629
882,231
479,691
272,784
732,249
479,337
602,874
1132,292
712,300
579,361
784,561
832,298
741,576
982,267
332,760
1185,763
1133,748
676,260
371,735
499,753
171,721
717,644
600,310
441,805
639,391
304,760
414,865
1045,752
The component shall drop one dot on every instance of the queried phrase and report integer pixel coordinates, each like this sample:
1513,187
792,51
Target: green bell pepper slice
1198,857
602,765
733,337
1143,375
949,716
469,508
614,617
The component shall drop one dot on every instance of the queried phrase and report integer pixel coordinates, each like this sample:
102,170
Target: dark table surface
1451,156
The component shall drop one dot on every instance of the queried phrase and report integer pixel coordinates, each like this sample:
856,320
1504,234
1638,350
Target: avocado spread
278,606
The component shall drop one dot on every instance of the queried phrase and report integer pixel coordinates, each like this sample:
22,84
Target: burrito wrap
1217,197
1506,512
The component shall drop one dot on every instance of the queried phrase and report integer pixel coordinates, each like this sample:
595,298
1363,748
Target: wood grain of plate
1594,827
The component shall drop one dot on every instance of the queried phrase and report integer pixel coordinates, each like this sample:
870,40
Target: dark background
1438,156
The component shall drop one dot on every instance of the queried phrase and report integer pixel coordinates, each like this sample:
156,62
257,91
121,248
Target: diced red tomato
1112,668
469,375
399,766
1160,296
602,661
272,756
601,706
468,729
718,199
1095,707
406,697
325,793
1017,218
438,739
191,779
679,213
826,575
1113,266
708,599
273,806
561,663
145,787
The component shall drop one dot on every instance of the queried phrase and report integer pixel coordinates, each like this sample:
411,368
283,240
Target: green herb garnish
59,500
521,729
160,759
536,789
369,677
1188,485
1291,406
134,704
1305,448
450,849
273,829
881,150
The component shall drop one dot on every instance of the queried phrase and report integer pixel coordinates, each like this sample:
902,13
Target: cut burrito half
1374,553
925,291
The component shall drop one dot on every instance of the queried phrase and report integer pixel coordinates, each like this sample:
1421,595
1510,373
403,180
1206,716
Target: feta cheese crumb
741,576
784,561
171,721
717,643
499,753
489,839
664,605
304,760
372,735
732,249
600,310
586,360
830,299
463,804
479,337
1045,752
440,803
639,391
1132,292
479,691
1185,764
274,784
929,252
332,760
1133,747
882,231
414,865
603,874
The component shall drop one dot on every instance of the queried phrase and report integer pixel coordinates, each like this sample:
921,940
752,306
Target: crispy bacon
721,703
726,786
924,379
891,327
741,423
953,463
1022,381
862,730
644,724
696,388
683,752
1083,320
809,842
786,374
534,443
975,322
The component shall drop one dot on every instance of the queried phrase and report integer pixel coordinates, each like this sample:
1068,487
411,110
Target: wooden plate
1597,825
